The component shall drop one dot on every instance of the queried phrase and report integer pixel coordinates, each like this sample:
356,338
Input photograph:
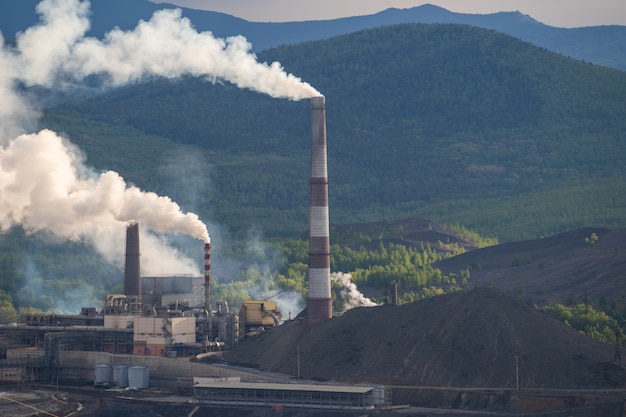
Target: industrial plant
166,316
159,321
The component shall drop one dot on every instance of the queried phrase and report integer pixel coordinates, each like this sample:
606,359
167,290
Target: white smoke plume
44,184
42,189
45,187
350,295
167,46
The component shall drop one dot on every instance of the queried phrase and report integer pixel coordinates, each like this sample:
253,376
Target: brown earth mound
556,269
552,269
462,339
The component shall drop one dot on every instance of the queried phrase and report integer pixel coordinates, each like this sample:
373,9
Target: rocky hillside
463,339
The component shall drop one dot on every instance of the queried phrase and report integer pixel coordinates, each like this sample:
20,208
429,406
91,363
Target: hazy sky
560,13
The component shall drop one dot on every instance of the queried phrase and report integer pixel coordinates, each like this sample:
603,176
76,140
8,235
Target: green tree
586,319
8,314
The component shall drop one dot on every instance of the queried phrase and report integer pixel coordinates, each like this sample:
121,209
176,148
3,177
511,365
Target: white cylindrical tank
378,396
102,375
138,377
120,376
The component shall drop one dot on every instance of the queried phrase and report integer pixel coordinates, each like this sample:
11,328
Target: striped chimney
132,276
319,304
207,276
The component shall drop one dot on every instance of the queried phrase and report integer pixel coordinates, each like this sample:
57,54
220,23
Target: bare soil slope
541,271
463,339
548,270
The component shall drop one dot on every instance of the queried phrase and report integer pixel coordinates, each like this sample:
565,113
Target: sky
559,13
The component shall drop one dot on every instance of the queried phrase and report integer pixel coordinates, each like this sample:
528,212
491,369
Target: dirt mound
549,270
462,339
541,271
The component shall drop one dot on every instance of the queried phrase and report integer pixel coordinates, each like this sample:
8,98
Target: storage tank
378,396
120,376
138,377
102,375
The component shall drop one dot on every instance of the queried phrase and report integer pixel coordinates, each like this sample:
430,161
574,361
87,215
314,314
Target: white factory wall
155,330
184,329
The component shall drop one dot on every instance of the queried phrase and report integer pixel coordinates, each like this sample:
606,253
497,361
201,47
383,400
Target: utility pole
516,372
298,362
618,356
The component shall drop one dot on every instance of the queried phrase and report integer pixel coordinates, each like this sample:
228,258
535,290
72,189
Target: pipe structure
132,275
319,303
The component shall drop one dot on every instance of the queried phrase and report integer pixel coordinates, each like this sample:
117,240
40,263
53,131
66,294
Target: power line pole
298,362
618,356
516,372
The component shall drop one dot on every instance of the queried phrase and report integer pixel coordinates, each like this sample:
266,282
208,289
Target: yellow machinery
257,315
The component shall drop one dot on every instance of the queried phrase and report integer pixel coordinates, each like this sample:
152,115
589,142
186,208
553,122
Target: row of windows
307,397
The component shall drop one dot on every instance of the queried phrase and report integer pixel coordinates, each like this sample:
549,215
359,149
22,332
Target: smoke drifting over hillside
44,184
349,294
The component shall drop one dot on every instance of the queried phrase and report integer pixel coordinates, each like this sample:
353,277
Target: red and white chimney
319,303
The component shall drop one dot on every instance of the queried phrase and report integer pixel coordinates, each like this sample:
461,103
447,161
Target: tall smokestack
207,276
319,303
132,277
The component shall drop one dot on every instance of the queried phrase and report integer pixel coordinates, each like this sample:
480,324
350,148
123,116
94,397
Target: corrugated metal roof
199,382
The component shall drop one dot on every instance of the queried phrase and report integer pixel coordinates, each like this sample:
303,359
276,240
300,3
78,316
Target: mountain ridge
603,45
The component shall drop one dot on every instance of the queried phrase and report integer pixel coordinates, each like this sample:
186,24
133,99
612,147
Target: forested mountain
453,123
449,122
603,45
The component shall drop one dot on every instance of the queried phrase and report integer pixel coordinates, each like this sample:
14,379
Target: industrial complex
160,321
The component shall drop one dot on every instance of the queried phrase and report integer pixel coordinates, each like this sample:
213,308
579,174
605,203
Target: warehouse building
333,397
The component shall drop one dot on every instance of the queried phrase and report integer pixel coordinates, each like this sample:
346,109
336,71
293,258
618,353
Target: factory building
159,317
182,290
328,397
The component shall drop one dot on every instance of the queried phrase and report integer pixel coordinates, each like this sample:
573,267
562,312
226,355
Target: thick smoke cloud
350,296
167,45
45,187
44,184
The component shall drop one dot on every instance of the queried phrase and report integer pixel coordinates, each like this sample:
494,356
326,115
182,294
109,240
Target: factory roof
212,383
